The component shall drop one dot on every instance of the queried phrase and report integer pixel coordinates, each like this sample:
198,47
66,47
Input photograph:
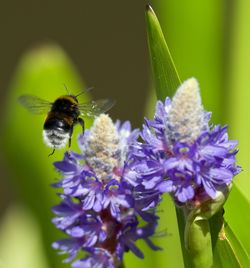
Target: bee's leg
81,122
52,152
70,135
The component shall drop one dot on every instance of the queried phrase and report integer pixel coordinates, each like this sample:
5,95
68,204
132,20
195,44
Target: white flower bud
102,147
186,117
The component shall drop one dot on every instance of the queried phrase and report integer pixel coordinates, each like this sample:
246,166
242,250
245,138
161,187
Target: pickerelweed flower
103,199
182,153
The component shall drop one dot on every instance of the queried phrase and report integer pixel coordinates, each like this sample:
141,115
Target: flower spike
103,199
182,154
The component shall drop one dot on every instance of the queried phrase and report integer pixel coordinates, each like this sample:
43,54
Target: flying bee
62,115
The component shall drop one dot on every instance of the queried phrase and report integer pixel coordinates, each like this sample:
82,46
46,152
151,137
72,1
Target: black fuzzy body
62,117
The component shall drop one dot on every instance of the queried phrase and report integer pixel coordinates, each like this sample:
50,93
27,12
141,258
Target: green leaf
200,48
238,217
43,73
166,78
231,243
20,244
238,205
229,252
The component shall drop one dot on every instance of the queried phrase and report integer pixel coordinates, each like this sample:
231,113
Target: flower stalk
198,243
197,236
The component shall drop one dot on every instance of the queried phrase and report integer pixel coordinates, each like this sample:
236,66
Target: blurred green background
46,44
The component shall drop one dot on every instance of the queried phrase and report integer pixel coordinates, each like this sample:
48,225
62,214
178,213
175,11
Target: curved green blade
42,72
229,251
166,78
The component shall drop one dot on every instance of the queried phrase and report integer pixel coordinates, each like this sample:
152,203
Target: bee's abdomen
56,132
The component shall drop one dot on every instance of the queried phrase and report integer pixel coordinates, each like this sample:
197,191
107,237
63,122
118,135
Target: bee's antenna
66,89
52,152
84,91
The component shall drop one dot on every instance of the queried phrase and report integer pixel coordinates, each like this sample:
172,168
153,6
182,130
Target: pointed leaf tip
166,78
149,8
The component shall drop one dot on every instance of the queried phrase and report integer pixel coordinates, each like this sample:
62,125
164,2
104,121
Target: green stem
198,237
198,242
181,226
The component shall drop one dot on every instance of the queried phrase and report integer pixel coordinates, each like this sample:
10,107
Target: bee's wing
94,108
34,104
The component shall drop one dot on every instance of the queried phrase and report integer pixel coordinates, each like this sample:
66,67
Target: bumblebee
62,115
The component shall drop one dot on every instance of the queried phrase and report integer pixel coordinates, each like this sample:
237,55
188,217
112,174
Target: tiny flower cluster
103,199
182,154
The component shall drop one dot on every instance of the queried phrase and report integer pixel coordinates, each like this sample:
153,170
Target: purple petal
65,166
166,186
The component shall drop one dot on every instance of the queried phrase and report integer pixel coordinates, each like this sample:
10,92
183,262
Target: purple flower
103,197
181,153
98,258
116,197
